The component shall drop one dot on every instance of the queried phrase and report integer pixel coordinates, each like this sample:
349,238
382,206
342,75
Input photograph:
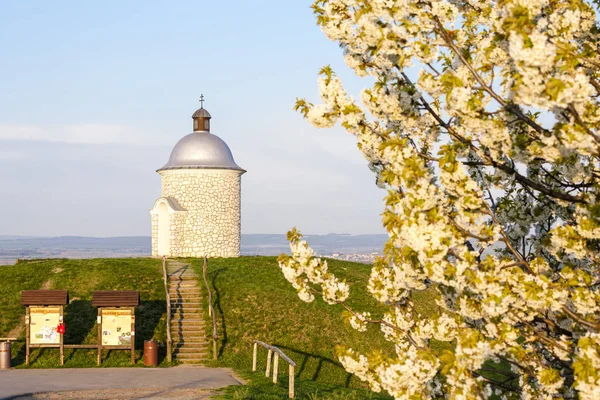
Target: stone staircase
190,345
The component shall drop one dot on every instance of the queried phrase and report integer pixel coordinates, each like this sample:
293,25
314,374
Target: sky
94,95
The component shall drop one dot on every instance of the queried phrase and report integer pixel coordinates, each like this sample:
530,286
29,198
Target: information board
116,327
43,322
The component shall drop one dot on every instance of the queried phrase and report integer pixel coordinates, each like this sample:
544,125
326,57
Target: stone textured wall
211,222
154,234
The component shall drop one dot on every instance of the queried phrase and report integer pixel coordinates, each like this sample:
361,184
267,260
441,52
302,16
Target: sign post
116,320
44,320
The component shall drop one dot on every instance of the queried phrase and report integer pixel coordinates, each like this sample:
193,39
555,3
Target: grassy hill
252,300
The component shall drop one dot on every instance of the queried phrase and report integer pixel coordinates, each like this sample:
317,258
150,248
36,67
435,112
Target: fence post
268,373
275,367
254,357
168,298
291,381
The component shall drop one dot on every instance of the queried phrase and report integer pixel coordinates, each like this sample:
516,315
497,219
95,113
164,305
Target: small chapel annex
199,211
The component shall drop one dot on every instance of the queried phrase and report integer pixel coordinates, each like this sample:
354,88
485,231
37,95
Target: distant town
358,248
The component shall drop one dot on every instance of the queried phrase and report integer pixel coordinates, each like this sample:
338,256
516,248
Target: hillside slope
253,301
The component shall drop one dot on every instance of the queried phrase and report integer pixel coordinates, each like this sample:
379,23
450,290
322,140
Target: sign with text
43,322
116,327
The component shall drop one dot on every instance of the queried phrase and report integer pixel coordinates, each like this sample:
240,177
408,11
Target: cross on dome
201,118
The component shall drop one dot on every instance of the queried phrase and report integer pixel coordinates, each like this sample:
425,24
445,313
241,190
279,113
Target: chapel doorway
164,225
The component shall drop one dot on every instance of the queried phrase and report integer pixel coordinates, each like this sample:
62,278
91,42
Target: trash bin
150,353
5,355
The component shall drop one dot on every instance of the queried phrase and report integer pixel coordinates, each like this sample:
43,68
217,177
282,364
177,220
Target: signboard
43,322
116,327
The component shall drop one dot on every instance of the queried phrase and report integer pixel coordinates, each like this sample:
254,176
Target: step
181,315
182,334
184,289
187,319
186,309
179,279
176,308
186,300
195,353
194,360
189,335
176,290
190,350
188,287
188,322
185,305
189,327
186,284
178,335
186,295
183,345
176,314
195,338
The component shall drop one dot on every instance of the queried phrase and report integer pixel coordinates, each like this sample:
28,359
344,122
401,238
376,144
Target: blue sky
93,96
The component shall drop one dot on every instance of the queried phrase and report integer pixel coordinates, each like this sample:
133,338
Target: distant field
29,247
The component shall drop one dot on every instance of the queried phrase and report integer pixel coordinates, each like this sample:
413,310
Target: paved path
22,382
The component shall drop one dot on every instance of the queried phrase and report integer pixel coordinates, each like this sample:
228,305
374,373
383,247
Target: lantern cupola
201,118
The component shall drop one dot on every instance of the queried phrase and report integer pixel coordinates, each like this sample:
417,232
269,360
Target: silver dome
201,150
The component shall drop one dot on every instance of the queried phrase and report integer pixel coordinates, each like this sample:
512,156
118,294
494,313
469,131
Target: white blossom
491,161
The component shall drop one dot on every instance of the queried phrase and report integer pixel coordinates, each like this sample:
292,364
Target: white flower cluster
303,269
491,158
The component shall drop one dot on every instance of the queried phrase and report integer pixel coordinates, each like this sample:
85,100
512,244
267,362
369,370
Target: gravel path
181,382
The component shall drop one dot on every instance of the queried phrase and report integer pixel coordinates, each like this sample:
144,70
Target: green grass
81,278
253,301
14,278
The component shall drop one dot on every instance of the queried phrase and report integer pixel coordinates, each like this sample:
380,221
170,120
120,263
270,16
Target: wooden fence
211,309
168,297
275,353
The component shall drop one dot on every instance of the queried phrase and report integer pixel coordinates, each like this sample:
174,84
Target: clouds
90,133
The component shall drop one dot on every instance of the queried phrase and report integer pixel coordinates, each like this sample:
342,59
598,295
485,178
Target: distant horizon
4,237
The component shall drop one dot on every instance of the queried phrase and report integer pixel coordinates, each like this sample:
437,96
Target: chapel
199,211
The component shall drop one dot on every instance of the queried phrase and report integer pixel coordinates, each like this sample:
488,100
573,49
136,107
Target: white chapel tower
199,211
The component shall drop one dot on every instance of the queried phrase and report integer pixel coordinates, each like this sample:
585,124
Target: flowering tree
490,158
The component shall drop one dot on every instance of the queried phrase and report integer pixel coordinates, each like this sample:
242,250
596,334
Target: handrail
278,353
168,297
211,310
